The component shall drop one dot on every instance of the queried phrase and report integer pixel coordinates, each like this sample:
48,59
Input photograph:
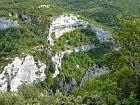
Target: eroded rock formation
63,24
21,71
67,23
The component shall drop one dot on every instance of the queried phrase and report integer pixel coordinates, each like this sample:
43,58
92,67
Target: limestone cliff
21,71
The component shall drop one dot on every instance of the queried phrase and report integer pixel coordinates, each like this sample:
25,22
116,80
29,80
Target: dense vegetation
119,87
75,38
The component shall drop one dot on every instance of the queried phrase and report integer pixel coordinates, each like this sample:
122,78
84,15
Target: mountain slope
69,52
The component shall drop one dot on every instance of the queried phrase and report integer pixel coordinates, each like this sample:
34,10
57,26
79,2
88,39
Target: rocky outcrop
26,18
103,36
57,62
58,56
21,71
93,72
21,16
67,23
7,23
63,24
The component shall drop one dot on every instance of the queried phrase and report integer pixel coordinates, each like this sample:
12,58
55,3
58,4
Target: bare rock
21,71
64,24
67,23
103,36
26,18
8,23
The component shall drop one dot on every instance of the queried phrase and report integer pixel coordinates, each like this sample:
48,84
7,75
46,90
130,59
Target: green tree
128,39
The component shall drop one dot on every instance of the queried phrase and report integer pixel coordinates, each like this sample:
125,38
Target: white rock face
58,56
7,23
57,62
63,24
21,71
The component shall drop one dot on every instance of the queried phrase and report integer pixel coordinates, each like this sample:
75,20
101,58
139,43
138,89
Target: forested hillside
69,52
